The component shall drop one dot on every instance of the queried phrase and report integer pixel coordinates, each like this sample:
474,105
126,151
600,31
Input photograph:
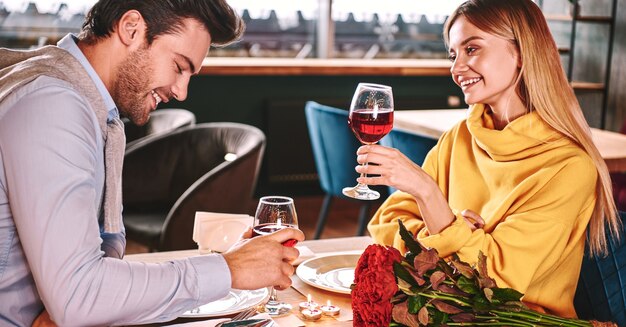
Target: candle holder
312,314
308,304
330,310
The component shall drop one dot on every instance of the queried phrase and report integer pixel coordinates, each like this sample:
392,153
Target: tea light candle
330,310
312,314
309,304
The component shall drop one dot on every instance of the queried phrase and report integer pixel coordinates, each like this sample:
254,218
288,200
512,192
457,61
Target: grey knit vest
18,68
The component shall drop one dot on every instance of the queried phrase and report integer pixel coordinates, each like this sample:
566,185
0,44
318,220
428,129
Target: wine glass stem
362,175
273,297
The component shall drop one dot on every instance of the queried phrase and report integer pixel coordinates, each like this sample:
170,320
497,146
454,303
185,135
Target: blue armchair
601,291
334,149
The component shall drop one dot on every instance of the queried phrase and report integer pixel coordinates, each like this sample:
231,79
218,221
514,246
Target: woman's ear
131,28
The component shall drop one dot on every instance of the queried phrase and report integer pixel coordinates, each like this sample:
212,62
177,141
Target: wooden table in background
297,293
433,123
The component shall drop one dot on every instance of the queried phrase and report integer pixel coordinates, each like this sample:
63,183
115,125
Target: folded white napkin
305,254
214,231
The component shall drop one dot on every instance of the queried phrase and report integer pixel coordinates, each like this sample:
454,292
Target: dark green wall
275,104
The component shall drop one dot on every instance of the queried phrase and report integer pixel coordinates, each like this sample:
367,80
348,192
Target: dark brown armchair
161,121
166,179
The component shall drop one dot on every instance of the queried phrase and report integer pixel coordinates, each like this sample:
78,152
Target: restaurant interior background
253,81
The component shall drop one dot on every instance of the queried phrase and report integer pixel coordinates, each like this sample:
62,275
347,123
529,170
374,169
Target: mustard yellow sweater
534,188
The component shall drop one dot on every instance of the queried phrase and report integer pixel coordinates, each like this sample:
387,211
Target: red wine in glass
269,228
369,125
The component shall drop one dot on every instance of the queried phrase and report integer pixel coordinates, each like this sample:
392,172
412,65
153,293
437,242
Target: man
61,147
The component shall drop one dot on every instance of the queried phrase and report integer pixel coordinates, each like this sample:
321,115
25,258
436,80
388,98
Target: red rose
375,285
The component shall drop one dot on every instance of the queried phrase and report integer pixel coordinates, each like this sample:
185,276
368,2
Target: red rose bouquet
421,289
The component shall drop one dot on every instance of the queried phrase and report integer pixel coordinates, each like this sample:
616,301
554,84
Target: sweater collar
524,137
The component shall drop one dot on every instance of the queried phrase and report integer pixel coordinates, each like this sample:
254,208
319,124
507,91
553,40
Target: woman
520,179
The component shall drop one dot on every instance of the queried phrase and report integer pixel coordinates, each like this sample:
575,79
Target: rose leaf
446,307
439,317
488,294
467,285
451,289
400,314
462,267
462,317
403,274
507,295
483,278
426,261
409,240
422,316
415,303
437,278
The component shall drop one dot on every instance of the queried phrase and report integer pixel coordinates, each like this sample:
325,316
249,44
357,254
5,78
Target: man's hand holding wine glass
248,272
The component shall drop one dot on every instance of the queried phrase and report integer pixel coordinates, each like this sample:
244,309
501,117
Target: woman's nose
458,66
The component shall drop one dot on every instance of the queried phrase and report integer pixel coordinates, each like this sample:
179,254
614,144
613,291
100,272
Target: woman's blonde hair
543,87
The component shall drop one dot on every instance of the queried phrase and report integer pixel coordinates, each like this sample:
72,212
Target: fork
243,315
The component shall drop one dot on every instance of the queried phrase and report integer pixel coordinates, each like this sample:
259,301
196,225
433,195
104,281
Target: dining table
299,290
434,122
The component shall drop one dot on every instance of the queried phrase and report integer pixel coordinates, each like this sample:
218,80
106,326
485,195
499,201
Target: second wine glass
370,118
273,214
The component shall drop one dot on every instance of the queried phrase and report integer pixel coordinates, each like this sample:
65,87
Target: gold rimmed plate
236,301
333,272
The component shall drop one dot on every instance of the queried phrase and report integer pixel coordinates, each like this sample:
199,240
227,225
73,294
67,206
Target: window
32,24
289,29
371,29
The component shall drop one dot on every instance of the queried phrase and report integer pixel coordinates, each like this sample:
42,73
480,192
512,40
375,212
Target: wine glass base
361,192
274,308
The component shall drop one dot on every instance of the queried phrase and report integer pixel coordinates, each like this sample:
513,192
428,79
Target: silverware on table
243,315
248,323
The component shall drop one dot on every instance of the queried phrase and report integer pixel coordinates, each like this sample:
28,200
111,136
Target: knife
247,323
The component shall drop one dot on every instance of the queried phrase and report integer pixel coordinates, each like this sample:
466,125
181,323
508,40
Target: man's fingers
290,254
246,233
287,234
284,284
287,269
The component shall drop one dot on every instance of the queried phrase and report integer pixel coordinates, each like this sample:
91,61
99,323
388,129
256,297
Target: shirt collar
68,43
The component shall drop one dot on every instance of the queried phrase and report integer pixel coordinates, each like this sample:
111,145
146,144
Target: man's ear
131,28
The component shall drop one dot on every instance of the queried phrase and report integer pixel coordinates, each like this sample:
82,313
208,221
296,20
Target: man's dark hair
165,17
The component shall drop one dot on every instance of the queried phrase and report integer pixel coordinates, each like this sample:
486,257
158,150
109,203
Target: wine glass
273,214
370,118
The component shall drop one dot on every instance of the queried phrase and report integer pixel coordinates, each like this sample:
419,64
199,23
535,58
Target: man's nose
179,89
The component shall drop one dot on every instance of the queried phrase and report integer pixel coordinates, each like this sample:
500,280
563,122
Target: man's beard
133,85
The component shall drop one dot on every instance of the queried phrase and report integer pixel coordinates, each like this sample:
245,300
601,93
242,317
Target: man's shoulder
48,95
48,86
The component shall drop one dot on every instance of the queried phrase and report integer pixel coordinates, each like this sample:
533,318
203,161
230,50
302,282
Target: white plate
236,301
333,272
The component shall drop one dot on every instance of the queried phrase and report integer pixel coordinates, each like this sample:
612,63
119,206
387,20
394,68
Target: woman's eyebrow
471,38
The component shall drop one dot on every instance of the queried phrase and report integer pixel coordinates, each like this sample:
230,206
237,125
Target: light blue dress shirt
51,245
